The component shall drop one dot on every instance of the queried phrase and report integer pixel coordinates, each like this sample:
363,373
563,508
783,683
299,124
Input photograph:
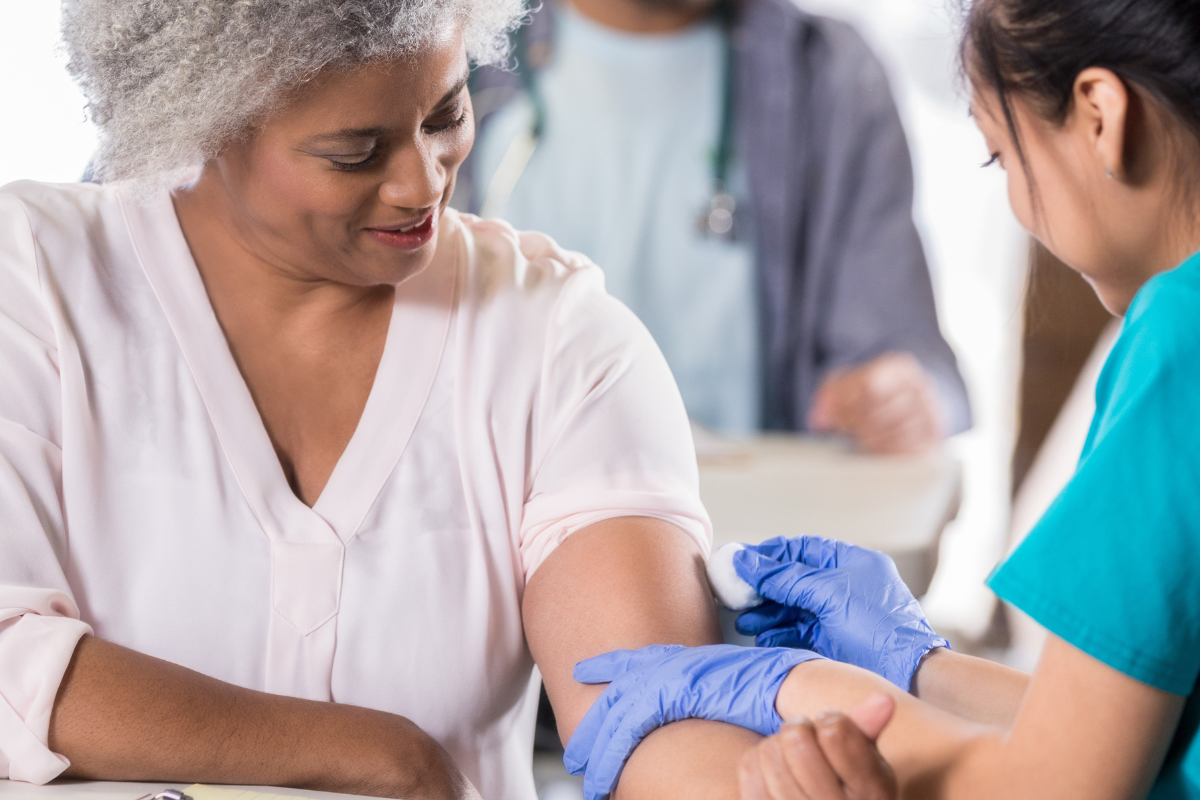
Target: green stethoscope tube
718,216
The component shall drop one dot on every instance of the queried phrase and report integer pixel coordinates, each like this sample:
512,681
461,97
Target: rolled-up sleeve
39,620
610,433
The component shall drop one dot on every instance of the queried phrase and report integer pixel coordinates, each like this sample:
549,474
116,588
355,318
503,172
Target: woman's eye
456,122
347,164
994,159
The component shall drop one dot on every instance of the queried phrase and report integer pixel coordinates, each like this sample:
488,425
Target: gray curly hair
171,82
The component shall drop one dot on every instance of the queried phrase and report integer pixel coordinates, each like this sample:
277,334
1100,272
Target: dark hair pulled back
1037,48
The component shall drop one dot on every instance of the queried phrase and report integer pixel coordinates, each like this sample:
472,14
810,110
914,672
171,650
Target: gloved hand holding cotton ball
844,602
733,592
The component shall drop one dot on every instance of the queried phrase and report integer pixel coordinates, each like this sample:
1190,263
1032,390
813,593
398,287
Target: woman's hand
833,757
121,715
660,684
385,755
842,601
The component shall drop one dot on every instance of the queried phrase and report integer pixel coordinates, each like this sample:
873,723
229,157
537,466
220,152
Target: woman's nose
415,179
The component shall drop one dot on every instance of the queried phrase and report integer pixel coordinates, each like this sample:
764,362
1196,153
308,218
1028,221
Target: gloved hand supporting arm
661,684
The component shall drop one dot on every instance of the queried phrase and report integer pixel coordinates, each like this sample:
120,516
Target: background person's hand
845,602
660,684
831,758
889,405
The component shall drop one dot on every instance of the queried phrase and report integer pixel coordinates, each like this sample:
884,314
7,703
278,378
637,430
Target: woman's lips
407,237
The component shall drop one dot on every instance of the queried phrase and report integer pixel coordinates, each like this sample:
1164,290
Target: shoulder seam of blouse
544,368
39,272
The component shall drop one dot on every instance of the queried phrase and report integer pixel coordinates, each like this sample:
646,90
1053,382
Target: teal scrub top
1114,565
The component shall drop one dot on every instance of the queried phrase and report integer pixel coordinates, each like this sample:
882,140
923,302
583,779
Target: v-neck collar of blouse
413,350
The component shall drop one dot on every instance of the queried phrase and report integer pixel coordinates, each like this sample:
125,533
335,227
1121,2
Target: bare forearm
1063,744
969,687
925,745
122,715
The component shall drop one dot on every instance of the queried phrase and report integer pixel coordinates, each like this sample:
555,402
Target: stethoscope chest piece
717,221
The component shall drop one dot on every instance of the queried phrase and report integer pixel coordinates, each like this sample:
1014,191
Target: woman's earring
1109,173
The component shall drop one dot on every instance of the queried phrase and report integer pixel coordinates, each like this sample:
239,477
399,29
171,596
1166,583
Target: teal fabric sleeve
1114,566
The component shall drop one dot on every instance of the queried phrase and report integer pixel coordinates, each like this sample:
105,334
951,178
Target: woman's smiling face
348,181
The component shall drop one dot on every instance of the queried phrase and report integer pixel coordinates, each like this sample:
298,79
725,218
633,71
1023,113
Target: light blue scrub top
1114,566
622,173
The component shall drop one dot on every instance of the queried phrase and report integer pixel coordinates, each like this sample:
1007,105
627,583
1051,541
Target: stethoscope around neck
716,220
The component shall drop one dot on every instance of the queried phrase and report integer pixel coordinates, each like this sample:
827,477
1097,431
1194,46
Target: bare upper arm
619,584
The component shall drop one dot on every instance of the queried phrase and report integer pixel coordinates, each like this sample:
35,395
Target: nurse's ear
1101,114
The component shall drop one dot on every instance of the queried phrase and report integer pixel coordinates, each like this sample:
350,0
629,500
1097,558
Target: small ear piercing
1109,173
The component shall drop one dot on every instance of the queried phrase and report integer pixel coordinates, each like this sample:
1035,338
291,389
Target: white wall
43,132
979,258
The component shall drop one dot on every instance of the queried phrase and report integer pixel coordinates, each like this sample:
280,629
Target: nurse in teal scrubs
1093,109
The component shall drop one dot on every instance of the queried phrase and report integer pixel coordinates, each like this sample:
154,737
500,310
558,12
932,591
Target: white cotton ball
733,592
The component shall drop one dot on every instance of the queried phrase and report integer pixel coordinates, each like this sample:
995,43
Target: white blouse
141,498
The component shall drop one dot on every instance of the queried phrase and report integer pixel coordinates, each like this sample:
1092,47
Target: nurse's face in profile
1097,188
348,180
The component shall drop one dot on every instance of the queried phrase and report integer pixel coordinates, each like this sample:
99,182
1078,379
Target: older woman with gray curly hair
301,472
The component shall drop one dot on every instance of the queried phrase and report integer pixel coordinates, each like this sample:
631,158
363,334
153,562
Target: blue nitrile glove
656,685
845,602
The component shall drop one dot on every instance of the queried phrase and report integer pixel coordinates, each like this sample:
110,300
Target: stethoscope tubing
717,219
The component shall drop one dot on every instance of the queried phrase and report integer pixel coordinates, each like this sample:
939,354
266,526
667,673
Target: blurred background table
788,485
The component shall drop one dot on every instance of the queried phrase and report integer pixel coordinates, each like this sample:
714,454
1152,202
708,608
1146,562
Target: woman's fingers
833,758
781,784
873,714
751,783
789,766
804,762
860,768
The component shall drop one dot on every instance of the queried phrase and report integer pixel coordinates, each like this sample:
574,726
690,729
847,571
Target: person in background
740,172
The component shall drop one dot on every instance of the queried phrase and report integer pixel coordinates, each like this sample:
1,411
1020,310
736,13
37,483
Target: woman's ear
1101,115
